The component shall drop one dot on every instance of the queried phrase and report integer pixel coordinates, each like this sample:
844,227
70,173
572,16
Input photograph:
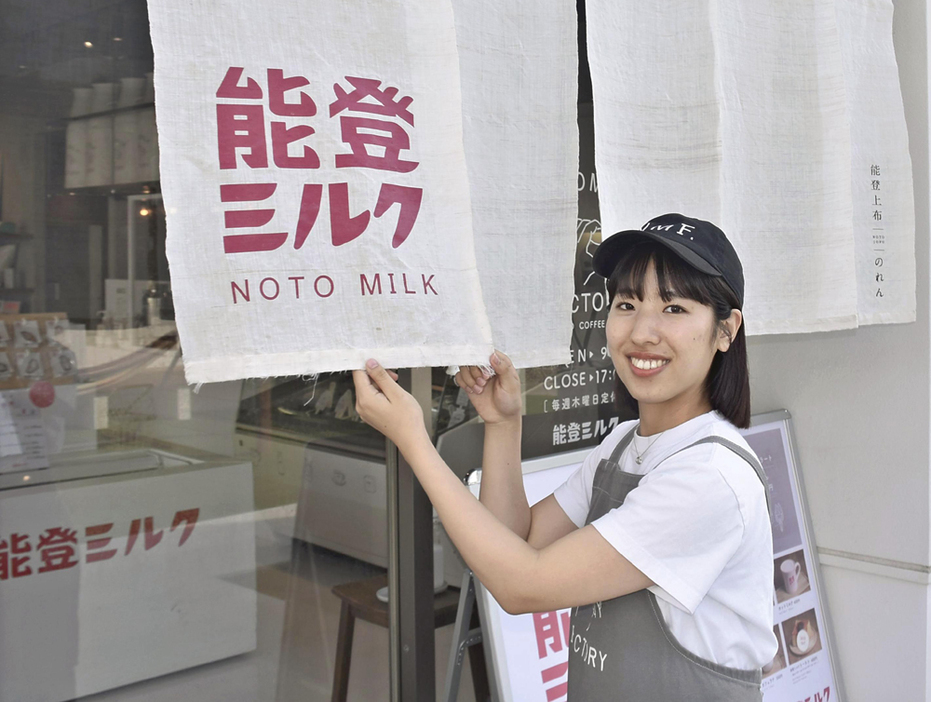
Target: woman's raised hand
385,405
495,397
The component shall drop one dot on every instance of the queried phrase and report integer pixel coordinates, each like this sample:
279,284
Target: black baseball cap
697,242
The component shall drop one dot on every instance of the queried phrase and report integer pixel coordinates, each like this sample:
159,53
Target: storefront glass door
160,541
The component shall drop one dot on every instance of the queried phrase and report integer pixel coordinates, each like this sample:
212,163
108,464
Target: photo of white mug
790,574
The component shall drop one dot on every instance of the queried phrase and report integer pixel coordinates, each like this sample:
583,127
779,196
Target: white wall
860,402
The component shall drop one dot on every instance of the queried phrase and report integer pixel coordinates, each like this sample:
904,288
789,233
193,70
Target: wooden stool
359,602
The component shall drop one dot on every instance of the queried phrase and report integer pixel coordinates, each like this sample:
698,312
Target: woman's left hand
386,406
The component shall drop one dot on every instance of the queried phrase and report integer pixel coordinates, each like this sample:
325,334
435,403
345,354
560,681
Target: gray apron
622,649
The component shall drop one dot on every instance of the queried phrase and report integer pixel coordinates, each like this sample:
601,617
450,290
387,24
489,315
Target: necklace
640,454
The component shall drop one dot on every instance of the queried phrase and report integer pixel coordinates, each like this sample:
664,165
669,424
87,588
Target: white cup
790,574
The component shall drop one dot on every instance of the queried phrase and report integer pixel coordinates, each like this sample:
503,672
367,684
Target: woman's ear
728,330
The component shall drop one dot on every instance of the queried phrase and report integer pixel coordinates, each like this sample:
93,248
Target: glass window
164,542
157,541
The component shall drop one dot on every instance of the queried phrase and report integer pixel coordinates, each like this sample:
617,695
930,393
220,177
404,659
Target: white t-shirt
698,527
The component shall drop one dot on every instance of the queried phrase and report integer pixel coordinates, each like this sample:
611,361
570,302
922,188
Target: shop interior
288,485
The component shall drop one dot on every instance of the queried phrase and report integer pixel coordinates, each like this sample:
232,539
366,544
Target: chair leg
347,623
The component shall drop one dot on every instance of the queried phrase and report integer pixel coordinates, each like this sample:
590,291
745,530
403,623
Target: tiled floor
298,618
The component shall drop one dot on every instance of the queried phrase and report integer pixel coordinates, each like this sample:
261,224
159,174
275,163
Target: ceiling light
89,45
144,212
117,38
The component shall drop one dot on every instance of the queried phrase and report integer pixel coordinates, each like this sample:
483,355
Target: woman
665,526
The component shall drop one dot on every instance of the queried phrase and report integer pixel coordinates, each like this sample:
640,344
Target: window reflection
157,541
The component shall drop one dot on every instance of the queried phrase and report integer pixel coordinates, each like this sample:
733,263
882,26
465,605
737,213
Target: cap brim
612,248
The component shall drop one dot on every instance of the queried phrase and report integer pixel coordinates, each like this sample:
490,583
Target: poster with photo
803,668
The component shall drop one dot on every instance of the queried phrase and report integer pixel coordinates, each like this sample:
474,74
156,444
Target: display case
305,435
321,410
109,554
324,408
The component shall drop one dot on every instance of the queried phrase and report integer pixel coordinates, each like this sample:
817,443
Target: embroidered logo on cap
682,231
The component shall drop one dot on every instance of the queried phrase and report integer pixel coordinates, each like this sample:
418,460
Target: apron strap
748,456
621,445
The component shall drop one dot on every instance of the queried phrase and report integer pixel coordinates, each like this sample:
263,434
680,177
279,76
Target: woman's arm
502,491
577,569
502,486
497,399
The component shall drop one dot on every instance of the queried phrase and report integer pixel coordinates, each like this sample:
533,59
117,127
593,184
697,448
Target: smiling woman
663,306
661,541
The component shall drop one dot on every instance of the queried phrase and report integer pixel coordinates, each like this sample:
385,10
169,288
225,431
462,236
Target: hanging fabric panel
750,116
317,192
881,169
315,184
519,66
785,180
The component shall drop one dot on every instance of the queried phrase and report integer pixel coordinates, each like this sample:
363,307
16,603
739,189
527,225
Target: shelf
119,189
55,222
16,291
114,111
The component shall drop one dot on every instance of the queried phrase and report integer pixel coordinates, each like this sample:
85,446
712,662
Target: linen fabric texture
375,254
519,68
769,120
697,525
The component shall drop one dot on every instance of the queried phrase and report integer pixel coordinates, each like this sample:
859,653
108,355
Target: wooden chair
359,602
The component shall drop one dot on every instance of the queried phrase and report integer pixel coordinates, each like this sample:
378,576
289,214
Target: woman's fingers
471,379
386,406
364,385
501,362
365,392
373,380
504,369
381,377
464,379
474,379
376,389
479,376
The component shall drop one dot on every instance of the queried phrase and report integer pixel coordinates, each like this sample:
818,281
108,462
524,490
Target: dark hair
728,381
